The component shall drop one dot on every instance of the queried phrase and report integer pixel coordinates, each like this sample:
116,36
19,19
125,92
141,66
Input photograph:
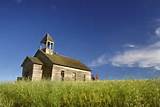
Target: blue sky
118,39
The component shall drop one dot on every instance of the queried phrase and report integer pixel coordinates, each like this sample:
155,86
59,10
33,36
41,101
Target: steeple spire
46,38
47,44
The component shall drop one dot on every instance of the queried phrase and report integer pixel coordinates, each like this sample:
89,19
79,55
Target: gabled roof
34,60
46,38
64,61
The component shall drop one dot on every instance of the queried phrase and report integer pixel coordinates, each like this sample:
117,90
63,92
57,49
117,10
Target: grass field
129,93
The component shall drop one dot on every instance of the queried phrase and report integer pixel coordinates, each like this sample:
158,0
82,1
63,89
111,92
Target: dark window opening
62,75
51,45
84,77
48,45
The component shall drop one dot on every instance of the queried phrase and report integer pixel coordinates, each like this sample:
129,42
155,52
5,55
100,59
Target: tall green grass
129,93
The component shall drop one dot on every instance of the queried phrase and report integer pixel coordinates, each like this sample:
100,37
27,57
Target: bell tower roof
46,38
47,44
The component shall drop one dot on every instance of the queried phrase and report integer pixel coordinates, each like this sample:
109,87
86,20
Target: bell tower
47,44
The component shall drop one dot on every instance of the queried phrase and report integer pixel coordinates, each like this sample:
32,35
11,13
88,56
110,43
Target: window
62,75
74,76
48,45
84,77
51,45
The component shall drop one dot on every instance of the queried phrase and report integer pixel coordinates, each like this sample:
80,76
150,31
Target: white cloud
142,57
157,32
102,60
129,45
146,57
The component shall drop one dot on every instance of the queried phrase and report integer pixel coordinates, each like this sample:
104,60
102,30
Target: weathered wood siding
70,73
37,72
27,70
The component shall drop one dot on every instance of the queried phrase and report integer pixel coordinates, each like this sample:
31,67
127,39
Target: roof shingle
34,60
64,61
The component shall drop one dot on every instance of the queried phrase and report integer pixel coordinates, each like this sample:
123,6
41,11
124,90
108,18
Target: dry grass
129,93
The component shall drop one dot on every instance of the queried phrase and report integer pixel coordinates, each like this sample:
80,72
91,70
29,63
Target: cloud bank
146,57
